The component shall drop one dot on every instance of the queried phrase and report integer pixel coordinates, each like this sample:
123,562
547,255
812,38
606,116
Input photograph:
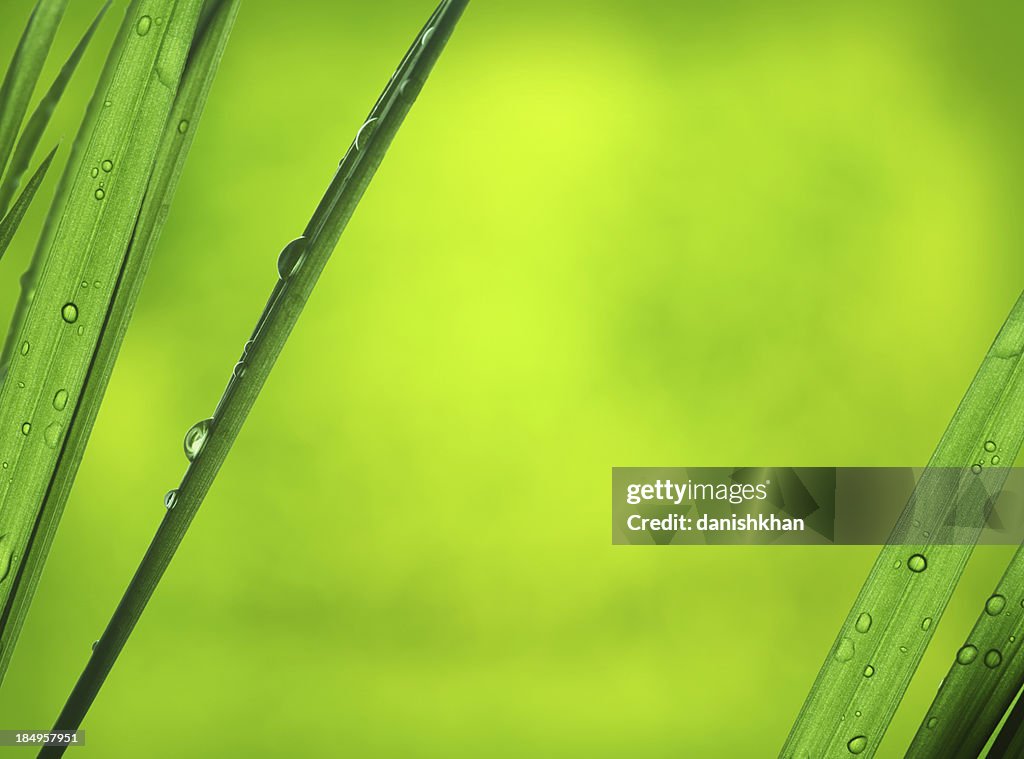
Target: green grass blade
300,273
40,118
45,395
1008,742
984,679
10,223
866,673
23,73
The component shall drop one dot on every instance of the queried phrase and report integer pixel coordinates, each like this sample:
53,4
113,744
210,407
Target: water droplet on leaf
967,654
108,165
195,438
845,650
170,499
60,400
144,25
51,435
69,313
917,563
863,623
26,428
291,257
993,659
857,744
995,605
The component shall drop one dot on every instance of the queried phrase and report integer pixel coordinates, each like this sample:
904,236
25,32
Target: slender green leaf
40,118
10,223
46,393
299,266
885,634
1008,742
23,73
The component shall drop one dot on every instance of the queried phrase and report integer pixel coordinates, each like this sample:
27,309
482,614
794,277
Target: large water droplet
990,445
863,623
108,165
291,257
100,194
869,671
426,36
995,605
967,654
51,435
857,744
170,499
917,563
26,428
69,313
365,132
60,400
195,438
993,659
845,650
144,25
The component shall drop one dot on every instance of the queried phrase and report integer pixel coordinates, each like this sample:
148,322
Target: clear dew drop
183,126
60,400
145,24
239,371
976,469
932,722
990,446
869,671
69,313
863,623
995,605
917,563
94,173
365,132
426,36
25,347
51,435
100,194
845,650
858,713
995,460
107,104
993,659
857,744
897,564
108,166
195,438
291,257
926,623
903,649
26,428
170,499
966,654
81,330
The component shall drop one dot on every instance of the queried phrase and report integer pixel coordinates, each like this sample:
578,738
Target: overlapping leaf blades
885,634
46,399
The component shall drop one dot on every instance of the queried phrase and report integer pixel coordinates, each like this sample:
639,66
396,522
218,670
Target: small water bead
108,165
995,460
990,446
60,400
845,650
858,713
195,438
903,649
869,671
25,347
967,654
100,194
26,428
94,173
107,103
426,36
239,371
291,258
51,435
917,563
932,722
995,605
170,499
897,564
976,469
144,25
857,744
183,126
81,330
863,623
69,313
993,659
926,623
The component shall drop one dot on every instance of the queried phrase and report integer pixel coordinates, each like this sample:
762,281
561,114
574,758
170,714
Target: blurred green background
610,234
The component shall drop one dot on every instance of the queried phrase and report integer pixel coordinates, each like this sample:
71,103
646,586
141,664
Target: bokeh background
610,234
